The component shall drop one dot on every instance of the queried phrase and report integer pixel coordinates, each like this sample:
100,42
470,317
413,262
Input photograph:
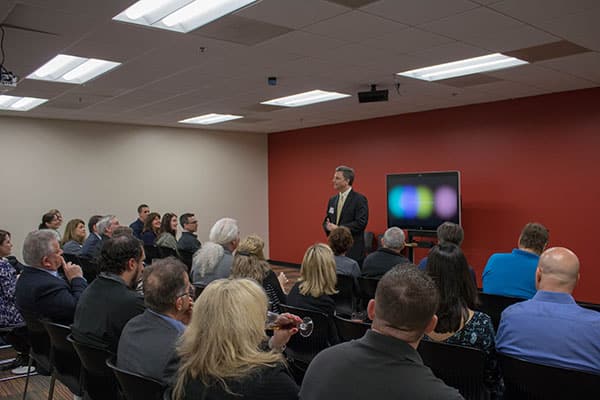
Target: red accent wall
531,159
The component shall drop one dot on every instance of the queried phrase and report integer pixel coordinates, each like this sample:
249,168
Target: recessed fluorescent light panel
179,15
71,69
15,103
210,119
303,99
469,66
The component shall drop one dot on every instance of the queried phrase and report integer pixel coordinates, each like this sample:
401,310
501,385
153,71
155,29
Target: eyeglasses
191,292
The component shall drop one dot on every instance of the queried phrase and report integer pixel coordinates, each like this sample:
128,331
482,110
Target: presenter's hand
330,226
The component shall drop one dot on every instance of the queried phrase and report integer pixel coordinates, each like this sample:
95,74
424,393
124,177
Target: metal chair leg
27,378
51,390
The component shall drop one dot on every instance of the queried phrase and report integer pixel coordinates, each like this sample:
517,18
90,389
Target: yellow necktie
340,205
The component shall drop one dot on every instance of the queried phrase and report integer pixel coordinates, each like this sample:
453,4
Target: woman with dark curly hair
340,240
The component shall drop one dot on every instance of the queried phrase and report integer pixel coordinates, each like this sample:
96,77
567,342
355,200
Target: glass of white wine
305,326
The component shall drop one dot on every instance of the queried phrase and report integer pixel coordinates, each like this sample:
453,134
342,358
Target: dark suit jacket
91,247
137,226
42,295
154,356
188,242
354,216
381,261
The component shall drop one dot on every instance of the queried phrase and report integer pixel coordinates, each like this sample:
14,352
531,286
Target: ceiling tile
292,13
535,11
299,42
581,28
355,26
502,41
237,29
407,41
416,12
586,66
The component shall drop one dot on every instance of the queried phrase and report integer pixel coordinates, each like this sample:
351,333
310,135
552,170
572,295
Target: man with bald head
551,328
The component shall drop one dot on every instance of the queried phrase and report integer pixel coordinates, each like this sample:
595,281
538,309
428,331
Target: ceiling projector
373,95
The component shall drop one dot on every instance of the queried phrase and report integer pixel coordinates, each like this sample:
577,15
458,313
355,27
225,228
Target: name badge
330,210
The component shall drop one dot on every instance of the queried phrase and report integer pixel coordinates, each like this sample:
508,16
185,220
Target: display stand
429,239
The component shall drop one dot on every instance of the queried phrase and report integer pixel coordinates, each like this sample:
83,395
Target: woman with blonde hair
72,242
249,262
220,351
316,284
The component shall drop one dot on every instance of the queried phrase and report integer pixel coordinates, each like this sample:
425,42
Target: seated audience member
168,231
249,262
316,284
513,274
188,240
52,220
340,240
551,328
220,351
111,301
9,314
384,363
215,262
386,257
151,229
168,296
457,322
138,225
122,230
41,292
104,230
72,241
449,232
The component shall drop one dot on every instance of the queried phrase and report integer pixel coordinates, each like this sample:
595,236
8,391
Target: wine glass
305,327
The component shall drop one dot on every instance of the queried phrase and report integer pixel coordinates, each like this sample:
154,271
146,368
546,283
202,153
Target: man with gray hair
350,209
390,367
105,227
168,296
41,291
214,259
387,256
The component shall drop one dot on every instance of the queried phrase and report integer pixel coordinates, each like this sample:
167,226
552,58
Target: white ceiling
307,44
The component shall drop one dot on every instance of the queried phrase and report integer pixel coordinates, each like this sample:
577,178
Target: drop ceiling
338,45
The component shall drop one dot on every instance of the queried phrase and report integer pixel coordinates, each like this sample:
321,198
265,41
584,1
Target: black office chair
529,381
164,252
345,298
73,258
151,253
135,386
90,268
198,288
301,350
369,242
348,329
66,366
14,336
458,366
589,306
39,351
99,382
493,305
367,287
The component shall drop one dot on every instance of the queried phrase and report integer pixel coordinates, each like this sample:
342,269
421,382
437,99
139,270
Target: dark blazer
154,356
381,261
188,242
354,216
42,295
91,247
137,226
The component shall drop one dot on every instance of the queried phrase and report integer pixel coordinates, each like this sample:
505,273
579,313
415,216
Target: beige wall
84,168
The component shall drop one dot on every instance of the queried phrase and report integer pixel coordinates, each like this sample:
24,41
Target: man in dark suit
387,256
41,292
350,209
104,228
168,298
138,225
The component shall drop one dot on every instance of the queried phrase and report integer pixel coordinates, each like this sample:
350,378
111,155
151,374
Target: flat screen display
424,200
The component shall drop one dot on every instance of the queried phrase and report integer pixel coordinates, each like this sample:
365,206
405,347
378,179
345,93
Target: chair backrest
589,306
198,288
367,288
135,386
527,380
151,253
90,268
369,238
73,258
39,341
99,381
458,366
493,305
65,360
345,298
305,348
165,252
348,329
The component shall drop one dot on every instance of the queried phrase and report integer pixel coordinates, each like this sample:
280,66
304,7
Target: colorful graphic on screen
423,201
